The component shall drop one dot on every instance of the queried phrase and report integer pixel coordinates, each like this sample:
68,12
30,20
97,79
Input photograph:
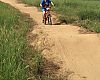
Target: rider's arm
52,3
40,5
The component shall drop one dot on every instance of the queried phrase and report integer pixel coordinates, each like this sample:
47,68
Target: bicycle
47,16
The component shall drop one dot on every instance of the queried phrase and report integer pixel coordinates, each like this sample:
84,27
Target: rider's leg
43,14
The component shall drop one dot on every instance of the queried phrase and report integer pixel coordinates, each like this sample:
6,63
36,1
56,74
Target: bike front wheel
49,20
45,20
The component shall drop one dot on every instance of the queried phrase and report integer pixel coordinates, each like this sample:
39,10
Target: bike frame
47,15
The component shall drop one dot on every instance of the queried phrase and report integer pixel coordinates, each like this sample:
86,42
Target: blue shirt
47,3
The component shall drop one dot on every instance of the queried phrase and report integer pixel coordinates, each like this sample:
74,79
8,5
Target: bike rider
47,3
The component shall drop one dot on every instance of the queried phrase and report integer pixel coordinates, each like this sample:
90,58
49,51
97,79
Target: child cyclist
48,3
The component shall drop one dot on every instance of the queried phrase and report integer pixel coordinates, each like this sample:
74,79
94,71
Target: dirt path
79,52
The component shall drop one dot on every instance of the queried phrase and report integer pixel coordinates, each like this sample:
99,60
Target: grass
85,13
14,49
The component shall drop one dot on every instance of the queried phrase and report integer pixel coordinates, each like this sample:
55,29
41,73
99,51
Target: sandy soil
76,52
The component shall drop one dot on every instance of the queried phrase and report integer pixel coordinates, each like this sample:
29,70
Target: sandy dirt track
79,52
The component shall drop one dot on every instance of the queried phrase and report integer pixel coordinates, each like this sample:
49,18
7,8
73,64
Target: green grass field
14,47
85,13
